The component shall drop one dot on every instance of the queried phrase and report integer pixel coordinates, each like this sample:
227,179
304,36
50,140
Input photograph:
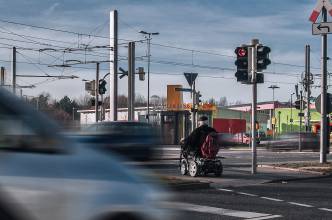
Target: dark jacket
196,139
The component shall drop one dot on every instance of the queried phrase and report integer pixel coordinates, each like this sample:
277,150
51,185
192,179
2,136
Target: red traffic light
241,52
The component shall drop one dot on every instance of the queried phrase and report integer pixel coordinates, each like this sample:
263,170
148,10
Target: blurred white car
45,176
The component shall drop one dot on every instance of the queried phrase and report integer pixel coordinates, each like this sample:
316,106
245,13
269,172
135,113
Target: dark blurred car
134,140
291,141
45,175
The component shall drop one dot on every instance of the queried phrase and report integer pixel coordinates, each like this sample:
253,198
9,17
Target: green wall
285,116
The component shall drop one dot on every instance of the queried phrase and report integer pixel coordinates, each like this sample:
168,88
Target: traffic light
93,102
259,78
141,73
102,86
198,97
241,64
263,57
298,104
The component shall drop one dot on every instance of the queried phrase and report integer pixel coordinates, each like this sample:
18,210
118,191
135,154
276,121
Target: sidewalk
241,176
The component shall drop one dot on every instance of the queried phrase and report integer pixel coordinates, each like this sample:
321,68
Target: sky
195,36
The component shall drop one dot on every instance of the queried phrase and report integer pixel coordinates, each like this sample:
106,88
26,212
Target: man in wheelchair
199,150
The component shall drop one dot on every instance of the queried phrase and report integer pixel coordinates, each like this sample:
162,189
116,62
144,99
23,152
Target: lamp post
148,37
273,87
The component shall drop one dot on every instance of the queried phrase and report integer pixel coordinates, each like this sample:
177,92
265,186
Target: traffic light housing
93,102
197,97
298,104
102,86
259,78
241,64
141,74
263,57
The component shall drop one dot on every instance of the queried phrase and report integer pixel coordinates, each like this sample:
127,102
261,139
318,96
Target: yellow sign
273,120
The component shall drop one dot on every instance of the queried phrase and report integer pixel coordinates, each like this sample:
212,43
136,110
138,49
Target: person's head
203,120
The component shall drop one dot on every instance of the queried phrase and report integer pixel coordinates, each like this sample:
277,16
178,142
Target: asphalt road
310,199
167,158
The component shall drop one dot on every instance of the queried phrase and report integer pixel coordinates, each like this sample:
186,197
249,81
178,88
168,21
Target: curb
292,169
318,175
297,179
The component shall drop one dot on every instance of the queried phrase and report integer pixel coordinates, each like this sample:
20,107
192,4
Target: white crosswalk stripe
219,211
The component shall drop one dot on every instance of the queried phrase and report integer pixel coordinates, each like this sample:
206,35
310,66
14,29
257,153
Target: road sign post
323,28
191,77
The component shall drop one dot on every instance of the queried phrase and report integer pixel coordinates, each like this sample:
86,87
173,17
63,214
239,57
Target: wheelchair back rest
210,147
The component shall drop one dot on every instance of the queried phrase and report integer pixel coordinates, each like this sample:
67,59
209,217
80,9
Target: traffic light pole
194,112
254,43
324,130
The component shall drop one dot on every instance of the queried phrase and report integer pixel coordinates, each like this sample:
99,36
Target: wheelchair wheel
193,168
183,167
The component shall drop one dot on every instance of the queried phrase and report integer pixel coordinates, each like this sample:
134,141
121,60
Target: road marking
273,199
325,209
219,211
246,194
300,204
227,190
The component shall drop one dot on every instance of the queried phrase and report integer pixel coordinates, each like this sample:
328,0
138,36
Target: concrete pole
97,92
307,73
14,70
131,81
254,43
324,132
114,66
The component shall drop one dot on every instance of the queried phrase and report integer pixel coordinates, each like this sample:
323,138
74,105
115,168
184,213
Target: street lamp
273,87
148,37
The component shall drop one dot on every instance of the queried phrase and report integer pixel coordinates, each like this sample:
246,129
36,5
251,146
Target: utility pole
131,81
324,130
114,66
307,87
149,56
97,92
254,43
14,70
